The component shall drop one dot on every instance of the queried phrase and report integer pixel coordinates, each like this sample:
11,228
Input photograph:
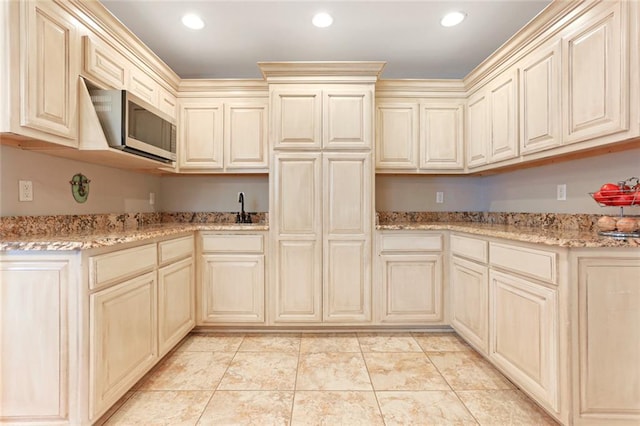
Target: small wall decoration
80,187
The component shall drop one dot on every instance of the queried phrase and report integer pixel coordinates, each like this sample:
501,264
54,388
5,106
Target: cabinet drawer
410,242
471,248
529,262
172,250
233,243
120,264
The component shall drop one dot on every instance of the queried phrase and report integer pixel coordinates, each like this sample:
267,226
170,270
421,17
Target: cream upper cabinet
143,85
297,117
596,71
322,117
606,348
223,135
503,113
232,281
246,144
347,228
410,280
167,103
297,226
200,134
396,135
347,118
441,136
478,129
102,63
540,119
51,64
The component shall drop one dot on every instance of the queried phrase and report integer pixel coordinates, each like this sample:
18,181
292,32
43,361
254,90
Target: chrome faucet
242,216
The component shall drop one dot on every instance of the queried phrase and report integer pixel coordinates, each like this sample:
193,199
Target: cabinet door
503,101
478,130
607,349
176,303
51,66
232,289
296,202
34,334
524,335
123,339
143,86
347,228
245,135
347,119
595,67
540,99
297,118
200,135
104,64
396,136
167,103
441,136
411,288
470,302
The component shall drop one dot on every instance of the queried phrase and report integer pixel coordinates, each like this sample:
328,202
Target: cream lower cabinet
469,290
410,284
232,279
606,339
37,335
123,341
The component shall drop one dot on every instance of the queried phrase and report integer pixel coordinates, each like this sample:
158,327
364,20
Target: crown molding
94,15
222,87
320,71
420,88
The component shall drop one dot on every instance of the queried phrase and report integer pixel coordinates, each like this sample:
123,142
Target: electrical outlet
152,198
439,197
562,192
25,190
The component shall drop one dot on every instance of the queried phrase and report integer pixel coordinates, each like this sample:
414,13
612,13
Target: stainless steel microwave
133,125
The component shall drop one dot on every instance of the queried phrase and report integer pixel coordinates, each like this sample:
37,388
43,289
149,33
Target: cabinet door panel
347,204
470,302
298,194
245,135
596,60
441,136
504,117
478,130
347,119
233,288
176,303
297,116
200,136
104,63
397,136
411,288
608,341
540,100
347,286
35,342
525,334
51,62
143,86
123,339
298,281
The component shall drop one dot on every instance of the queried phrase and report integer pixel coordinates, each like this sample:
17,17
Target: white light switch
152,198
25,190
439,197
562,192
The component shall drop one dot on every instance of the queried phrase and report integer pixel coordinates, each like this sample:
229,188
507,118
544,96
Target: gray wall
115,191
110,191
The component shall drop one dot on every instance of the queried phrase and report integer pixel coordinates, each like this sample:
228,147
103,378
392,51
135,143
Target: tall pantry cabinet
321,186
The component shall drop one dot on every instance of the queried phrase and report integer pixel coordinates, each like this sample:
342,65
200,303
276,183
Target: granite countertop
537,235
95,239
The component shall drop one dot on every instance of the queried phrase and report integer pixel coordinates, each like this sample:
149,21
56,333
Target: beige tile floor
325,379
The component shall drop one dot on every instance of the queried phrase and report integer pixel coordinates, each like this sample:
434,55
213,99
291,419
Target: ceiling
405,34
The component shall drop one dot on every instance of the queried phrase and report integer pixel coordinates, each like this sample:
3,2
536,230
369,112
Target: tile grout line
295,381
375,393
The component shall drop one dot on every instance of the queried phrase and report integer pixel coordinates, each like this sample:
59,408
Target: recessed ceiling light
193,21
322,20
452,18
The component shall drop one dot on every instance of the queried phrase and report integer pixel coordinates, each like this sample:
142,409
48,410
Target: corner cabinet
222,135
